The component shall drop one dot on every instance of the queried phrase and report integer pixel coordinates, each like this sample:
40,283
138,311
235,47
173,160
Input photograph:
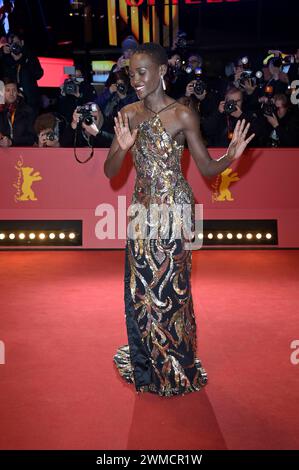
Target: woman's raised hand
124,136
239,141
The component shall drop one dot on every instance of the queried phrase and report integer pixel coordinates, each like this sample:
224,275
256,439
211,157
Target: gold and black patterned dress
161,355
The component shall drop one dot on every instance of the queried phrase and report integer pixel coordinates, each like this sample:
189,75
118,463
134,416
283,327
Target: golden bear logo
221,191
24,183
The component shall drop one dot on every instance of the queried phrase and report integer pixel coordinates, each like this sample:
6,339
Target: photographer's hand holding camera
117,94
85,129
282,123
221,124
47,138
24,68
192,89
75,91
47,129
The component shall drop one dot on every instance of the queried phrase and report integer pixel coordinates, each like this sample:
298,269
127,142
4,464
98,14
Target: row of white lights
41,236
239,236
72,235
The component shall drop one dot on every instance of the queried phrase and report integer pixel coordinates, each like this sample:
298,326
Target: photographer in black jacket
24,67
85,129
16,118
75,91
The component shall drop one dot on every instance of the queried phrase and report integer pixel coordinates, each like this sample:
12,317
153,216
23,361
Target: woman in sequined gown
161,354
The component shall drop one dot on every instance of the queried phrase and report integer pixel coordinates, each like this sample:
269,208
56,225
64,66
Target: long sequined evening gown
161,353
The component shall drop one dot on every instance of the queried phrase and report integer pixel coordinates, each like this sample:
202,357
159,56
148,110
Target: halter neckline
160,111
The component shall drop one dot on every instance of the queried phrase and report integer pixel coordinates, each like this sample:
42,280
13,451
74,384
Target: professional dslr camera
121,88
256,78
16,48
268,108
51,136
85,112
199,86
230,106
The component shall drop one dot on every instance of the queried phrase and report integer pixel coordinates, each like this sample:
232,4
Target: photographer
179,73
220,125
46,128
128,45
16,118
293,72
75,91
281,123
202,100
274,76
114,98
85,129
24,67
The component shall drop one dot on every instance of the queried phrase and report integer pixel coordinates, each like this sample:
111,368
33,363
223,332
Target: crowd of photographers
79,117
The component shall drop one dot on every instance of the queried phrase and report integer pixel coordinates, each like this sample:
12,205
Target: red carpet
62,318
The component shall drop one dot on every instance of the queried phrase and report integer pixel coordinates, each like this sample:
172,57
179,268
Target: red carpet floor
62,318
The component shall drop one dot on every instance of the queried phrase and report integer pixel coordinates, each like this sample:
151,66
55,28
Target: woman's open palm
124,136
239,141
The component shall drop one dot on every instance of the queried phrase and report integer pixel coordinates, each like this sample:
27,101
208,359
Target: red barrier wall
65,189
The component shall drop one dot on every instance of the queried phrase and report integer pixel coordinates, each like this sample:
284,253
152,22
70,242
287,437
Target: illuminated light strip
166,15
112,22
145,28
135,22
133,3
166,20
123,10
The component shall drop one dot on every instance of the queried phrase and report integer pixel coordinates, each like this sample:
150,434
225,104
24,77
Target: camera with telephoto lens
230,106
70,86
121,88
16,48
85,112
268,108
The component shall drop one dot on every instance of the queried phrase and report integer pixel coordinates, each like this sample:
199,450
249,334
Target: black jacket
286,134
68,103
67,139
25,72
21,132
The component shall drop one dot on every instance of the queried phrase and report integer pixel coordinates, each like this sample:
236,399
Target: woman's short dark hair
155,50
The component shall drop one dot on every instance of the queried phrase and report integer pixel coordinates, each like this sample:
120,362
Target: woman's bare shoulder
185,115
131,110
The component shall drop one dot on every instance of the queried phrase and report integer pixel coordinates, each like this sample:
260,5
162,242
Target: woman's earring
163,83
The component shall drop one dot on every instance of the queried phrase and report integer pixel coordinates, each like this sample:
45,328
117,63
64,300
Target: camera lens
88,120
121,88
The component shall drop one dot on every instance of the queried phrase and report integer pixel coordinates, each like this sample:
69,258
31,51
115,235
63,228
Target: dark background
218,31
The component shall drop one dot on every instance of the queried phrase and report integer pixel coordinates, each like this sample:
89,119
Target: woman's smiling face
144,74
